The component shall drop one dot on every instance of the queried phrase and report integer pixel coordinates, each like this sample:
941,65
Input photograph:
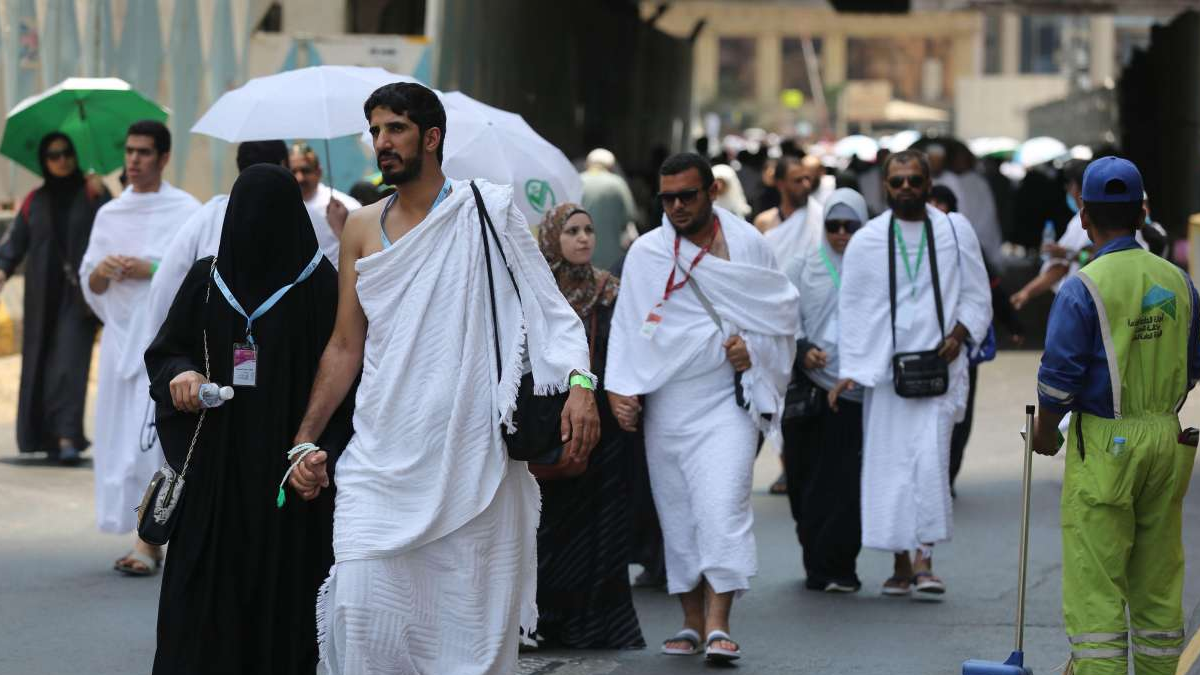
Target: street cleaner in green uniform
1122,352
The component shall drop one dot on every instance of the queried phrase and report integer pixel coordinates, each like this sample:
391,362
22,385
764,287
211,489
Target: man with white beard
327,207
916,382
129,238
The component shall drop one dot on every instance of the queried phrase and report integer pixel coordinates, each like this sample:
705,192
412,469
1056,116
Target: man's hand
737,353
580,424
310,475
336,214
814,358
627,410
840,388
185,391
1019,299
1055,251
112,268
952,343
137,268
1045,434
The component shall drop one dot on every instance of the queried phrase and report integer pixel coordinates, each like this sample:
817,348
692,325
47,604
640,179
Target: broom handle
1023,552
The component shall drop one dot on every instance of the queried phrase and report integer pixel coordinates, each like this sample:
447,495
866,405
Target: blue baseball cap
1112,180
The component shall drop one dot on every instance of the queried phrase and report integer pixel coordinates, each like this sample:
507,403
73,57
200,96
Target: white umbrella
992,145
318,102
862,147
1039,151
901,140
500,146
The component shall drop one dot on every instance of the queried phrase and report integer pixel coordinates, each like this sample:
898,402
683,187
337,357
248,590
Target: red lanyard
671,285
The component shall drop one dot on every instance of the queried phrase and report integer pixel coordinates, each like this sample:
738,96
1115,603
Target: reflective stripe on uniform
1158,634
1098,637
1098,653
1157,651
1064,397
1110,350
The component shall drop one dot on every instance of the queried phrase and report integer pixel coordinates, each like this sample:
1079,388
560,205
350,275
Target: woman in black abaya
241,579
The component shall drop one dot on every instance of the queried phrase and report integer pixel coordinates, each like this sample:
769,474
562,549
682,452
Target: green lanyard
908,268
833,273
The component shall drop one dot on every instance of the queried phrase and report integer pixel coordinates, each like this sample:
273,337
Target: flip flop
686,635
779,487
928,586
151,564
897,587
718,654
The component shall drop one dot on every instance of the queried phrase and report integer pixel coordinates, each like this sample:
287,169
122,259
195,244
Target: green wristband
153,268
582,381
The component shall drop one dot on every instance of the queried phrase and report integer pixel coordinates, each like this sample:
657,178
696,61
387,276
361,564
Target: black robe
50,233
241,578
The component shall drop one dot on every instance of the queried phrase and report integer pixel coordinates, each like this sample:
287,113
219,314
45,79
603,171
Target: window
795,67
272,20
914,66
735,68
992,59
387,17
1041,43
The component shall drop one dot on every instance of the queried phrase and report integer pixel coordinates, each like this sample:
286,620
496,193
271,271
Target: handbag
537,419
804,398
158,513
918,374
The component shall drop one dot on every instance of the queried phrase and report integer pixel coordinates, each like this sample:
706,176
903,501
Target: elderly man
326,206
607,197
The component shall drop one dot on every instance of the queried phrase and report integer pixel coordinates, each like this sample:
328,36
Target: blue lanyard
269,302
391,200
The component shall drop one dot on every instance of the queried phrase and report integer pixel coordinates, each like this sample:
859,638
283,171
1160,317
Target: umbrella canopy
1001,147
500,146
317,102
862,147
901,140
1039,150
94,112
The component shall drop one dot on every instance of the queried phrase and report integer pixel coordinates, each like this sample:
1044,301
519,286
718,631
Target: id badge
905,311
245,365
651,324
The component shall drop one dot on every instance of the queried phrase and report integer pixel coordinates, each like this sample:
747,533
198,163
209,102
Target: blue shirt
1074,373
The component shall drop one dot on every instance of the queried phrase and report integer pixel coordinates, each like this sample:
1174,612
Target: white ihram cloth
127,453
978,206
699,443
434,526
799,234
199,237
328,241
906,443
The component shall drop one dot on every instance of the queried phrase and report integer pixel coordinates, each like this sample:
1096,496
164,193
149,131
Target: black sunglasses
834,226
55,155
685,196
915,180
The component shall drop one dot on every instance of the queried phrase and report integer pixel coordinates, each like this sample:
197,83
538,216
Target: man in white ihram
906,441
434,526
327,207
703,308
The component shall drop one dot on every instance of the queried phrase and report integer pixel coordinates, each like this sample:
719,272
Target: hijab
267,238
846,204
59,186
578,283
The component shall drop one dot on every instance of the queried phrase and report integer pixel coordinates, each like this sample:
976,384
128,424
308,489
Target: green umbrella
93,112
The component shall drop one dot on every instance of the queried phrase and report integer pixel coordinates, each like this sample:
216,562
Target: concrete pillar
1103,49
705,66
315,18
768,68
833,57
1010,43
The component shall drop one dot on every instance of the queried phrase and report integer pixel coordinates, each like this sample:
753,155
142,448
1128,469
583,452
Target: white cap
601,158
225,393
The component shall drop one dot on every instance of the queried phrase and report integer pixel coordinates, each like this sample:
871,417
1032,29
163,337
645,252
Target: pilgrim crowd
364,502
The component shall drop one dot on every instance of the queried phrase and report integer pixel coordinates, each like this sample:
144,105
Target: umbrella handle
329,162
1023,553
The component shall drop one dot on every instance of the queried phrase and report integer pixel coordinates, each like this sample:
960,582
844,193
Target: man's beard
409,169
697,224
907,204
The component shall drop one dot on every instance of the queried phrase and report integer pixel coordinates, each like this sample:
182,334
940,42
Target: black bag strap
485,225
933,271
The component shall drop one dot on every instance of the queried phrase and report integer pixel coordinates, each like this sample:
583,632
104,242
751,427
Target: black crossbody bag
918,374
538,419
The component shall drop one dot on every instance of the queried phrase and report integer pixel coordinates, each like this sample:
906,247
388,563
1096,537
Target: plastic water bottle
1049,236
1118,447
213,395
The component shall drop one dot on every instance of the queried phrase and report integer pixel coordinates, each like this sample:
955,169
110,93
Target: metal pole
329,162
1023,552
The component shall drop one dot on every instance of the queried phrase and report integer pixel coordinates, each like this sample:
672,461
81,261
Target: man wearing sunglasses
892,314
704,329
327,208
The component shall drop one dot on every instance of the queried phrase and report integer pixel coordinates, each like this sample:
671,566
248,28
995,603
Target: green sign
540,195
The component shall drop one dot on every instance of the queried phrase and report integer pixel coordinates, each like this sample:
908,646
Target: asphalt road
62,610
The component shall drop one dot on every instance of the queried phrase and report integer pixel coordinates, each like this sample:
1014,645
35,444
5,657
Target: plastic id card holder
245,364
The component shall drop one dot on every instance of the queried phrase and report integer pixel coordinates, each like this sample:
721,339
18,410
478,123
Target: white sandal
151,564
686,635
719,654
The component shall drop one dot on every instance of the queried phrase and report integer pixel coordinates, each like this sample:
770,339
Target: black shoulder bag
918,374
159,511
538,419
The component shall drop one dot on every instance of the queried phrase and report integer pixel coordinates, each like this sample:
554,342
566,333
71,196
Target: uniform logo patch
1159,298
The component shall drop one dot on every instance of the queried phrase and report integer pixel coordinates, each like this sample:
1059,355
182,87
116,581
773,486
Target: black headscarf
267,238
59,185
